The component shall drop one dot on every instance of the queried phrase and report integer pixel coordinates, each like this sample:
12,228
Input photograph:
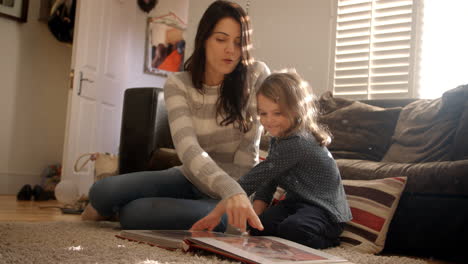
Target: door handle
83,80
71,79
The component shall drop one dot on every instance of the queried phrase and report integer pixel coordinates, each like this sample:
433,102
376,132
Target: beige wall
33,98
286,34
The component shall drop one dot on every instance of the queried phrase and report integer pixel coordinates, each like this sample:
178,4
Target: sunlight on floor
77,248
150,262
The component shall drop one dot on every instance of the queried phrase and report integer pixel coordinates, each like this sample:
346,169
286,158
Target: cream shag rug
95,242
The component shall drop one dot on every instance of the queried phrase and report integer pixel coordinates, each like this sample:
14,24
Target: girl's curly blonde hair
296,101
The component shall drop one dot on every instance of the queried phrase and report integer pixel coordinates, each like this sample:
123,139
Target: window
376,46
444,47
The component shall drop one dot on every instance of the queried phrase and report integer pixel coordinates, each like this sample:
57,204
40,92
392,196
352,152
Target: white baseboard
11,182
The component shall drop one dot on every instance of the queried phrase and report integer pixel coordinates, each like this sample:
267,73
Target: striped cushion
373,203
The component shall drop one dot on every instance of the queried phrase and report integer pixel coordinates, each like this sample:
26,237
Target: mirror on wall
165,44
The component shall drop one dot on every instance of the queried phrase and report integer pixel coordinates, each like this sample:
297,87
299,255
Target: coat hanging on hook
147,5
62,20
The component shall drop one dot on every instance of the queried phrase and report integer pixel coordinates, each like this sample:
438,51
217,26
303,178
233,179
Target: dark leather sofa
421,139
424,140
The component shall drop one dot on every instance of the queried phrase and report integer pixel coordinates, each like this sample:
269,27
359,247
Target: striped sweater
214,157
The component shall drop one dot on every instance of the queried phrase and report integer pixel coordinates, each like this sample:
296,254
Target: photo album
168,239
248,249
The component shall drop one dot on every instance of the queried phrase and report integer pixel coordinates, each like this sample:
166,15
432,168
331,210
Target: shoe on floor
25,193
40,194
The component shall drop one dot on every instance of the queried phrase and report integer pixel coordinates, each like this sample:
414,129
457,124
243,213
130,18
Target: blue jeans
152,200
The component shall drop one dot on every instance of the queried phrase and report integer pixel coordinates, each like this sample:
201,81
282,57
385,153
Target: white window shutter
376,46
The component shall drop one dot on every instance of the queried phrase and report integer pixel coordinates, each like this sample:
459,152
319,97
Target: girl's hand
239,210
211,220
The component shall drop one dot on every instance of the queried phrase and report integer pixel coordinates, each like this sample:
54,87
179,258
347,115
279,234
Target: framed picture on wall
165,44
14,9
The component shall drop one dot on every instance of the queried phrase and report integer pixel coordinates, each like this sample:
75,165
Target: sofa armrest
443,177
144,128
430,220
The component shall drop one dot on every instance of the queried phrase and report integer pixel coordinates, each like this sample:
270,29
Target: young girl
315,206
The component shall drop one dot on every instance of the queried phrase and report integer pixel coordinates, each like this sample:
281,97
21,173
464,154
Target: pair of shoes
26,193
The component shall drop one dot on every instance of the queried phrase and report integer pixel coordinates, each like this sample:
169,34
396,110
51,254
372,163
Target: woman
212,116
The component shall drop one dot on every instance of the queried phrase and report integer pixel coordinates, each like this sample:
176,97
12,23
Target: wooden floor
31,211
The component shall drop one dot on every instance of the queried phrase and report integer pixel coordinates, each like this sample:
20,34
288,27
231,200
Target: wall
33,98
292,36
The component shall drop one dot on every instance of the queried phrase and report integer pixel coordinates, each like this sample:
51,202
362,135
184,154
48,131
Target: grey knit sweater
214,157
305,170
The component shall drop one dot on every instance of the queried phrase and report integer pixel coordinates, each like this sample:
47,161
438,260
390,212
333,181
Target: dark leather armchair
145,129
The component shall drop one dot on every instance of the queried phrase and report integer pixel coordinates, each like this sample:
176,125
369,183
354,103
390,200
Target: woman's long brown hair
234,90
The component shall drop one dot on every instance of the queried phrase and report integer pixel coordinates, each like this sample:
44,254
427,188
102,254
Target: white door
95,102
